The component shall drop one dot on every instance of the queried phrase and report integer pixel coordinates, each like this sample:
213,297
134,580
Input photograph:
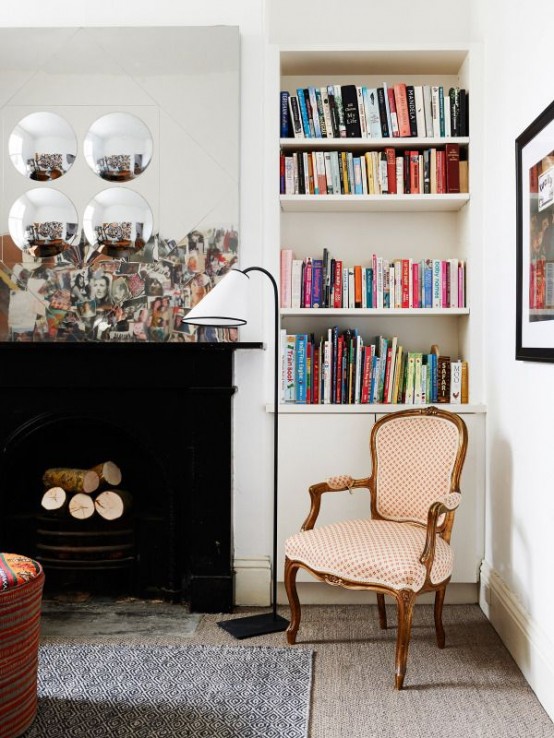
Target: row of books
386,283
387,172
355,111
340,369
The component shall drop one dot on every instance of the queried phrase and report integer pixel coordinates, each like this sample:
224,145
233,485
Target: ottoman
21,582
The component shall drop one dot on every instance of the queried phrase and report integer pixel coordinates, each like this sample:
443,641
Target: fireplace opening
83,540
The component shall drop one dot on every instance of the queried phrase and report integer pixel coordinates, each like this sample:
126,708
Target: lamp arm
276,375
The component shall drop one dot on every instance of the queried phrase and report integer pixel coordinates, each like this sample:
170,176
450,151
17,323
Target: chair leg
439,629
291,571
405,601
382,611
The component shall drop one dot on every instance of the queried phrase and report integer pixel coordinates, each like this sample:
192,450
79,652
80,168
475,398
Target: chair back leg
439,629
382,610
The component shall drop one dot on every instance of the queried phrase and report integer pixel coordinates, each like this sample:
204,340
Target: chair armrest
439,507
332,484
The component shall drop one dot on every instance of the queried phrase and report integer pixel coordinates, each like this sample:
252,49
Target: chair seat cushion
16,570
370,552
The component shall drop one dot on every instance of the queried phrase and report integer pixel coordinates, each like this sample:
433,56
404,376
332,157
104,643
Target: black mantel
175,402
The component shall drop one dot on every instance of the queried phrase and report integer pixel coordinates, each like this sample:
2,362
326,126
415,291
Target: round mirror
42,146
118,221
118,147
43,222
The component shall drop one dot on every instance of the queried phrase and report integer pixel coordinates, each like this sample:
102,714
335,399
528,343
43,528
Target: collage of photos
104,299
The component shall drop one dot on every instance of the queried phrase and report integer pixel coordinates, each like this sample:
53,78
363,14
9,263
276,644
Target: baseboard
253,581
529,645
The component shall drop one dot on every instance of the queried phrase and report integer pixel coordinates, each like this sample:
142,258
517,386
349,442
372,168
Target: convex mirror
118,147
42,146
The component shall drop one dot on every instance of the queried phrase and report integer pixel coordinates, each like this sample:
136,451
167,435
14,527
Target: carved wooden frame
405,598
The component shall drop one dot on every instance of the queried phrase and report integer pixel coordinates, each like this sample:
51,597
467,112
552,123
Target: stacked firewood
82,493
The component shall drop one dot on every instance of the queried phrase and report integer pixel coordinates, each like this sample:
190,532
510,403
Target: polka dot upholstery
370,552
408,477
21,583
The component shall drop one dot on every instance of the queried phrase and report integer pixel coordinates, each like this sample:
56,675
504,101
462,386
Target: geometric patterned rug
113,691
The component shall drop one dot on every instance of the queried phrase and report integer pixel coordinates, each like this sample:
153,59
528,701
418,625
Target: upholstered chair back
408,477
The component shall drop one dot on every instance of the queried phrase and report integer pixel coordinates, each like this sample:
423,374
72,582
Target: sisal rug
110,691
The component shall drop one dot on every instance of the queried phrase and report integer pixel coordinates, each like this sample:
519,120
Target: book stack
339,369
390,111
433,171
325,282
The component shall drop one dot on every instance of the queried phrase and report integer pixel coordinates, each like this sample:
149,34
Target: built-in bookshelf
396,210
319,440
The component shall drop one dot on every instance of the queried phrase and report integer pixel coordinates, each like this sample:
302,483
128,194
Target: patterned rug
110,691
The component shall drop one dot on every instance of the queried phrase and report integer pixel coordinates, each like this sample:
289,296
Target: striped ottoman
21,582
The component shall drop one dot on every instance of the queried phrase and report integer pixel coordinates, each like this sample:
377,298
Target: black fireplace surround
163,413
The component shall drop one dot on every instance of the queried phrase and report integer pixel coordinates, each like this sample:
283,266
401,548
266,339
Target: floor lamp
226,306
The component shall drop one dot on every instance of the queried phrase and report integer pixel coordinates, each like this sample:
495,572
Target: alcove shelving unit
317,441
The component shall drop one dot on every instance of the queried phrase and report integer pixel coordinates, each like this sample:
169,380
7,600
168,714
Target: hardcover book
351,111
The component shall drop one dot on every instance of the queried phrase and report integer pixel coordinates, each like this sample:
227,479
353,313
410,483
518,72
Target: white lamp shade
225,305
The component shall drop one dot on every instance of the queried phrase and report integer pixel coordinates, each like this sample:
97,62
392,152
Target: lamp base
254,625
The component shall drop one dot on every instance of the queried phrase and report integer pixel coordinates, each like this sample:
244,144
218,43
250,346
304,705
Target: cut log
54,498
81,506
109,473
112,504
72,480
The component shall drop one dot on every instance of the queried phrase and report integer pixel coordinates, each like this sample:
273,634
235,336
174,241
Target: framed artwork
535,239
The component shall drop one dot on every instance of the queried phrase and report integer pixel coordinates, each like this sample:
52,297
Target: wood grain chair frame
404,549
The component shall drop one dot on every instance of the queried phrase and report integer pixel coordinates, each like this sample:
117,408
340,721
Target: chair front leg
405,600
291,570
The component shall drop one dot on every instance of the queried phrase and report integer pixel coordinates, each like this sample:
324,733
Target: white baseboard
253,581
531,648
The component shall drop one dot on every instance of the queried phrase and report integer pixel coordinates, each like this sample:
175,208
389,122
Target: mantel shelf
372,203
372,312
367,144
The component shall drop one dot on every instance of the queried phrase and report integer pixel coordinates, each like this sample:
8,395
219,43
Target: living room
511,54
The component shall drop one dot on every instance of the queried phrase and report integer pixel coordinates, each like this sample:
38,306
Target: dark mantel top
111,365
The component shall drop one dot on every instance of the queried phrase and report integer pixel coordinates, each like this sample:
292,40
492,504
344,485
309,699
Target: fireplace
163,414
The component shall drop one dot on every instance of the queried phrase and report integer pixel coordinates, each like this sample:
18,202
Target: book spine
286,277
339,103
296,283
303,112
284,119
443,375
300,368
296,121
464,391
315,114
410,97
326,111
452,156
317,283
456,382
351,111
402,109
290,361
385,131
361,111
420,111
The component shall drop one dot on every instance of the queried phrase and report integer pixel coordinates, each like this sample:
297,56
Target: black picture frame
534,149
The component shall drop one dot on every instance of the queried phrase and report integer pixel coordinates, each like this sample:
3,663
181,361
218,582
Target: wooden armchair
404,548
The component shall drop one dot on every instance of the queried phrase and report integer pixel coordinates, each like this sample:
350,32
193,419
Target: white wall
520,511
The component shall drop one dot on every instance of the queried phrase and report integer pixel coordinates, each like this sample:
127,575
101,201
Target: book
284,119
400,95
294,117
452,156
286,277
464,391
420,111
300,367
428,111
324,93
361,110
303,112
381,101
456,382
296,283
339,104
388,111
371,105
351,111
410,97
289,391
443,379
314,111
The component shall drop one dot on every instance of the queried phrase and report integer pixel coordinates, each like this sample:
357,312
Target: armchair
404,548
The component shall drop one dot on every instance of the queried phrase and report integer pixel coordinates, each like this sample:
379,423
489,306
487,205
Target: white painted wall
518,85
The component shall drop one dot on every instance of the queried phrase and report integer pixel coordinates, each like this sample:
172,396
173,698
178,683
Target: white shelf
368,143
370,408
372,203
372,312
